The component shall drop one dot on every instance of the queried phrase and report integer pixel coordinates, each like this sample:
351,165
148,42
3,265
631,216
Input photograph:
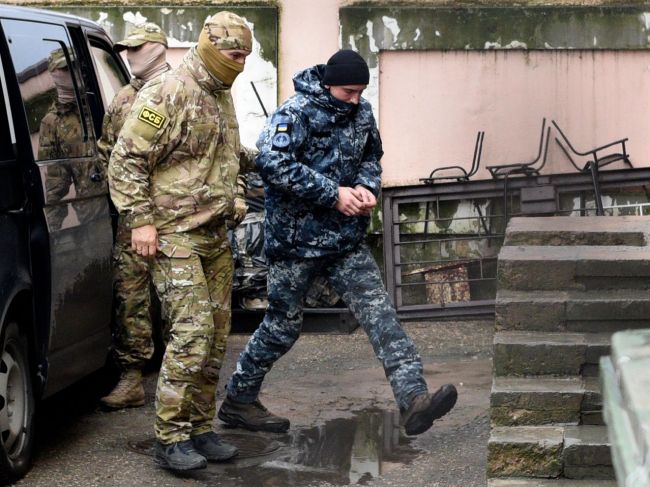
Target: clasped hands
357,201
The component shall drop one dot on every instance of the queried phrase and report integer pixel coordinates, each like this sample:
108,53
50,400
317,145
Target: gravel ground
340,405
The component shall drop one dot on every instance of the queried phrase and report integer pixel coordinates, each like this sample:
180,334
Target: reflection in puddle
340,452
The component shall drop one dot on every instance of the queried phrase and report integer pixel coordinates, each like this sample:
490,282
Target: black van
58,73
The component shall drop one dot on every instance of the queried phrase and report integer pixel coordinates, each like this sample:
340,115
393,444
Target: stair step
576,452
574,310
522,353
525,451
586,453
550,483
563,230
592,403
581,267
536,401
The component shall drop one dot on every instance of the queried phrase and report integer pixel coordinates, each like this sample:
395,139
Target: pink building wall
432,103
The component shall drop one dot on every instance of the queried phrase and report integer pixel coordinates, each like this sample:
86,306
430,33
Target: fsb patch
152,117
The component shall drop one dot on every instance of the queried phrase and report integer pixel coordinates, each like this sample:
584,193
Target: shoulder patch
282,137
152,117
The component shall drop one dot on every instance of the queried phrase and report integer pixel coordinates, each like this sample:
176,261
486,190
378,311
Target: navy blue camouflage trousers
356,278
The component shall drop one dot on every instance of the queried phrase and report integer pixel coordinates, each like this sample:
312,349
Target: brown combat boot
426,408
252,416
128,392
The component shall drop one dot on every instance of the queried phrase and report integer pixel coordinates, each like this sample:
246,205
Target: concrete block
589,472
536,268
536,401
627,453
630,345
592,403
563,230
597,346
539,353
613,261
619,304
586,446
557,268
612,283
572,310
586,453
593,418
544,353
632,369
525,451
535,311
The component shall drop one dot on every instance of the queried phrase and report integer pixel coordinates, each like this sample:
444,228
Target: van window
49,80
10,175
109,74
7,135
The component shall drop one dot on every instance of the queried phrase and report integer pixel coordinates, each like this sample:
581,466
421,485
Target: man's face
237,55
347,93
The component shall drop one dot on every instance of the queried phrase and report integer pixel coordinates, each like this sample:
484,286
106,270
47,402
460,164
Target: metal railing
441,242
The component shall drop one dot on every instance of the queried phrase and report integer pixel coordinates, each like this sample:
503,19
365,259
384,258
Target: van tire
17,406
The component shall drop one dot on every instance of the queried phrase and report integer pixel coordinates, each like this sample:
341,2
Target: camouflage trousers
132,333
356,278
193,275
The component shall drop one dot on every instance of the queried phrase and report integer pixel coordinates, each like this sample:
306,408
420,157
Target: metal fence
441,242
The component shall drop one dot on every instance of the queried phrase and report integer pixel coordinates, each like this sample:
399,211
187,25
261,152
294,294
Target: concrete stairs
565,284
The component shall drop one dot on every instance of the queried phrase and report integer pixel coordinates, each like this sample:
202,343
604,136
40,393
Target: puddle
341,452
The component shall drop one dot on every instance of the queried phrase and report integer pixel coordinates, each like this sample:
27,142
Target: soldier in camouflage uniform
319,158
174,177
146,48
60,136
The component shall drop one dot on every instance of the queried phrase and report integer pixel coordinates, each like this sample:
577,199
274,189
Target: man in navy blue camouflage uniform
319,158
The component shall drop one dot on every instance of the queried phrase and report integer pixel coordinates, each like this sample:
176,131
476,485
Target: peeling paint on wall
369,29
183,24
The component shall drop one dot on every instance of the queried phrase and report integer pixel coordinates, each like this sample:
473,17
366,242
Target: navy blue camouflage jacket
309,147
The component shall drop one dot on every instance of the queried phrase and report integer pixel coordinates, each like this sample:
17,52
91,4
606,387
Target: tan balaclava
146,47
148,61
58,66
224,30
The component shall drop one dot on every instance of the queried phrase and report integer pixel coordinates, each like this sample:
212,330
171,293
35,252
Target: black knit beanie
346,67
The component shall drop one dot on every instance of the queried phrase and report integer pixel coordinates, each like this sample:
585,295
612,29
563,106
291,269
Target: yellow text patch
152,117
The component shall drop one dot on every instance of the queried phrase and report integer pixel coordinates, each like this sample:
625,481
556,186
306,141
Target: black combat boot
252,416
426,408
179,456
213,448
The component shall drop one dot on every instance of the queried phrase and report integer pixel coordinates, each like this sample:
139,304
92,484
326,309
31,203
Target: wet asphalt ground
345,427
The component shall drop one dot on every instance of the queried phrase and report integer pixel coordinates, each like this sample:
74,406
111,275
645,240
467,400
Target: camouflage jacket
60,136
310,146
115,116
177,159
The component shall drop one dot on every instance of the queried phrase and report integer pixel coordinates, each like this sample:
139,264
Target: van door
75,197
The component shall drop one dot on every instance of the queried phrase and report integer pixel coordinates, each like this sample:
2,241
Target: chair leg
505,201
593,167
